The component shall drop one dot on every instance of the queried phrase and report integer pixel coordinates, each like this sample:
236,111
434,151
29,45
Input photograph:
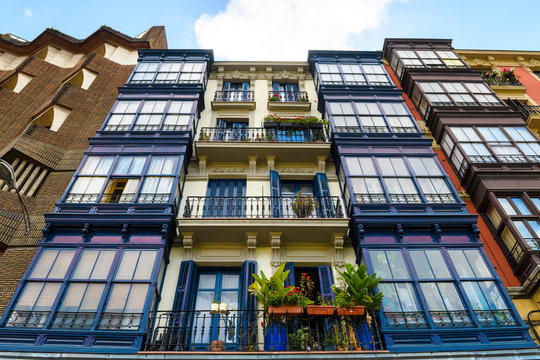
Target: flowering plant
274,97
300,119
506,74
303,98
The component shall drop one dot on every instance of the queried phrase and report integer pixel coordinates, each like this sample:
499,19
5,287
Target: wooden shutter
326,280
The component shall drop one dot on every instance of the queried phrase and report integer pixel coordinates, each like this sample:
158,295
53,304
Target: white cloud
28,12
286,29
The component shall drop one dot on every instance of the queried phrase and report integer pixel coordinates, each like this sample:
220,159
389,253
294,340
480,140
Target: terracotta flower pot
217,345
353,311
294,310
320,310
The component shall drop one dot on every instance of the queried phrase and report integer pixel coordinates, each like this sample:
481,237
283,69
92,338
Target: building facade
55,92
193,183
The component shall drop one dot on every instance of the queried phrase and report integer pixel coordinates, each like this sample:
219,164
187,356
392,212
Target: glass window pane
207,281
461,263
47,297
137,298
53,264
523,209
145,265
29,296
127,265
94,264
397,265
118,297
433,297
477,263
507,206
230,281
380,264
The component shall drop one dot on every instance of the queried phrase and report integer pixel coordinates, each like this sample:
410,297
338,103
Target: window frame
110,177
399,198
163,124
177,79
342,70
397,62
94,322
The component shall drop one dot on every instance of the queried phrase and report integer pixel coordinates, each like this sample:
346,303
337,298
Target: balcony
288,100
262,135
234,99
314,220
228,145
506,87
255,331
531,113
261,207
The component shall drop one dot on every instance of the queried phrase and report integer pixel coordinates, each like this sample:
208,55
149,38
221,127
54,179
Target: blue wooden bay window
91,288
175,114
448,287
178,72
125,179
397,179
371,117
351,73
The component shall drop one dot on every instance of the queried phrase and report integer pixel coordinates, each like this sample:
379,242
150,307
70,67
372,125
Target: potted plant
214,308
303,98
277,300
274,97
223,307
325,307
360,286
217,345
204,136
301,339
271,121
304,205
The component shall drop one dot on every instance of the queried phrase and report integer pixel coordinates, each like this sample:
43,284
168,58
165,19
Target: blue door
225,198
218,329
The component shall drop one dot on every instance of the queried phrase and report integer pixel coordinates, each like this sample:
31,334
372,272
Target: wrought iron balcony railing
118,198
234,95
262,135
502,81
451,319
502,317
238,330
262,207
74,320
288,96
406,320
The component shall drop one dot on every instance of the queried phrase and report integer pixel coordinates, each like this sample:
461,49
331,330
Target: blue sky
286,29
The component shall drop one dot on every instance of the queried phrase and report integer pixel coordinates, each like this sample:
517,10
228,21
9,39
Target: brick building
54,93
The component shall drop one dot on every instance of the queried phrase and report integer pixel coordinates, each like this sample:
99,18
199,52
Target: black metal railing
120,321
383,129
502,317
502,81
239,330
262,207
405,198
147,127
451,319
288,96
81,198
73,320
524,109
406,320
262,135
234,95
27,319
117,198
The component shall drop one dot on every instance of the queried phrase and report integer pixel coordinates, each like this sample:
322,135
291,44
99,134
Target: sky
284,30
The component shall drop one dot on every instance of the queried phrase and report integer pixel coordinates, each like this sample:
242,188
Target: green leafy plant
300,340
325,301
359,287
